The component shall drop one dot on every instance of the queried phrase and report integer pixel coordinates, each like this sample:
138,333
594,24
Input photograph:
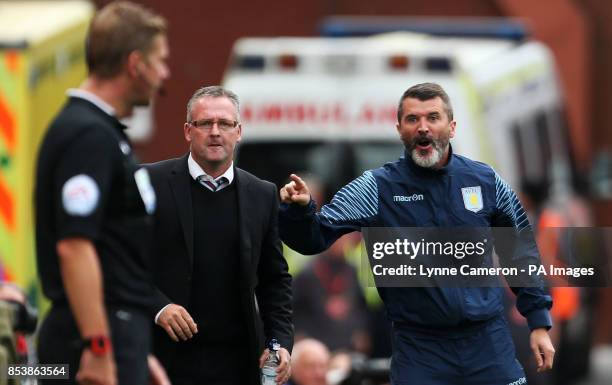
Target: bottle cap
274,345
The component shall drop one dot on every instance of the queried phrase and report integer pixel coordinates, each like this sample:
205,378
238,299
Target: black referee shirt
89,185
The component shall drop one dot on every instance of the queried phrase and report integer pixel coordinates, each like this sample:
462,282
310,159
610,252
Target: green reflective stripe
476,110
513,79
8,79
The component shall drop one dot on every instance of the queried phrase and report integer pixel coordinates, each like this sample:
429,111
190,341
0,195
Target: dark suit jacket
264,281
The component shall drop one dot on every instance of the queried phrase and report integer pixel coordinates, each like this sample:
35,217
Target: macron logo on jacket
410,198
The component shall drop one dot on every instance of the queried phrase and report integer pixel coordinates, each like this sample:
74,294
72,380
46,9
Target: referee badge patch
472,198
80,195
147,193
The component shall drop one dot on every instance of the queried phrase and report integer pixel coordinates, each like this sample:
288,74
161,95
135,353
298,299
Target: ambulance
328,105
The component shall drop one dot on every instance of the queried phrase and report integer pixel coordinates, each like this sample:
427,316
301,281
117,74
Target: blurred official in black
94,208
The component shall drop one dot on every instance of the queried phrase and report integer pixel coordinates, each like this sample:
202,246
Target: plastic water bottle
268,372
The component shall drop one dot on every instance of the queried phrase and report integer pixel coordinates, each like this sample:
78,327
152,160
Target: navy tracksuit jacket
446,311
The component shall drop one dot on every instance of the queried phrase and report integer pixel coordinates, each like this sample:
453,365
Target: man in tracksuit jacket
441,335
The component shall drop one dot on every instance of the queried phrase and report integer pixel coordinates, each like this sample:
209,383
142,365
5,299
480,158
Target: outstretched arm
308,232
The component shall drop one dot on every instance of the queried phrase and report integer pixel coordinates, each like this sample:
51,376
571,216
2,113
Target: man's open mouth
423,144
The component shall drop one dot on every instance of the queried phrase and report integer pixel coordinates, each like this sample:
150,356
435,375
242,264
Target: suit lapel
243,190
181,189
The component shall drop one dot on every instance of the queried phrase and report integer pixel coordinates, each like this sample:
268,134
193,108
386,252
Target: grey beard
431,160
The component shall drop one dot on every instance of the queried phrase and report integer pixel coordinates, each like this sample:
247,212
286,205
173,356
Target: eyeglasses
207,124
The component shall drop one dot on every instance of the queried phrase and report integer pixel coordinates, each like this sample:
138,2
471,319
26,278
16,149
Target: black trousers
59,342
195,362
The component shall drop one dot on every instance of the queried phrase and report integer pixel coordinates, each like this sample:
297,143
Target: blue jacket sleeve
353,207
517,247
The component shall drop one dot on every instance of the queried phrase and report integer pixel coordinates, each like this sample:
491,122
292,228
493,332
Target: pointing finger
299,183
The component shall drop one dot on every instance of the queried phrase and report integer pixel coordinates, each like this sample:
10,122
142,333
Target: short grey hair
213,92
423,92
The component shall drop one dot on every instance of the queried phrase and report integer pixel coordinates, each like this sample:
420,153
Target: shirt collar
195,170
92,98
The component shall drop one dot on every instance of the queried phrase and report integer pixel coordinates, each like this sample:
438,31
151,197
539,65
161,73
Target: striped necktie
211,184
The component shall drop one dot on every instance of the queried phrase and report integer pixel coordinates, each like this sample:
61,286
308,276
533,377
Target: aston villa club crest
472,198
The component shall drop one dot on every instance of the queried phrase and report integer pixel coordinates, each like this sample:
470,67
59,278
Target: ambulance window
531,148
541,126
578,178
533,152
519,150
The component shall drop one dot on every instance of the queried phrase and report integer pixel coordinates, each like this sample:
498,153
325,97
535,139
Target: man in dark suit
224,288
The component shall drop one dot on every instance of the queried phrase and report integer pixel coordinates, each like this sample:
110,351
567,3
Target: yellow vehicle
41,55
